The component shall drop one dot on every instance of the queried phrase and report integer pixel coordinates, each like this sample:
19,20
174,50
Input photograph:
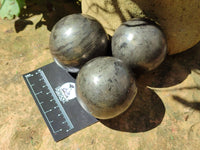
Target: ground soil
164,116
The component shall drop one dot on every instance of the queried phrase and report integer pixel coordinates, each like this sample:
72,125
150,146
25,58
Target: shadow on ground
193,105
51,10
147,111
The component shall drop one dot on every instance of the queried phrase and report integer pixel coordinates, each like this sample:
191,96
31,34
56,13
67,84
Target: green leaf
11,8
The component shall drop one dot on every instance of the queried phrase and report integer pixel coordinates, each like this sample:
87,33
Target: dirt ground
164,116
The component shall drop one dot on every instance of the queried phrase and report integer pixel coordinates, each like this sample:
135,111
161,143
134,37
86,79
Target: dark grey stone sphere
140,43
105,87
75,39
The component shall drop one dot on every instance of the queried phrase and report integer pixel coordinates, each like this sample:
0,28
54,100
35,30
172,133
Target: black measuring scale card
53,90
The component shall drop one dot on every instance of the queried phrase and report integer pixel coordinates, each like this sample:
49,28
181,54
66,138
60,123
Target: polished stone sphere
75,39
140,43
105,87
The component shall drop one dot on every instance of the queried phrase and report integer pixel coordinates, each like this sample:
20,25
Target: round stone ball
105,87
140,43
179,19
75,39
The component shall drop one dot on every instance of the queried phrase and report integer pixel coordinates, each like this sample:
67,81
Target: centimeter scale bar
63,117
47,89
